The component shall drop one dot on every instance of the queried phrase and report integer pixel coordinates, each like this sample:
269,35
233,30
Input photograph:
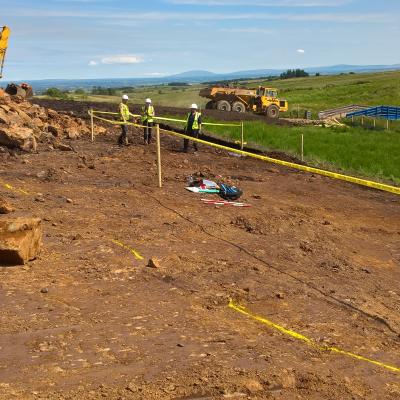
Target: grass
355,150
161,95
319,93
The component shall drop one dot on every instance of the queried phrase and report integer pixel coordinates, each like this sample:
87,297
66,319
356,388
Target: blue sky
127,38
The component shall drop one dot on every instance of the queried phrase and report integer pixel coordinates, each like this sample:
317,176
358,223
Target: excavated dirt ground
87,320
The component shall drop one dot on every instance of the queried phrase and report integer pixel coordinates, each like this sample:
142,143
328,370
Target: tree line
294,73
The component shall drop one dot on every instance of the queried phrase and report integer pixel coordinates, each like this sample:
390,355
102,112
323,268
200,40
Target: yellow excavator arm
4,34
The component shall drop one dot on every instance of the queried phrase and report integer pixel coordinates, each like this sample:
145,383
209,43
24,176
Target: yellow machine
4,34
24,90
262,100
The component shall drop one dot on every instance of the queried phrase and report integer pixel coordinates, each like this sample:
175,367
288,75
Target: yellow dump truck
261,101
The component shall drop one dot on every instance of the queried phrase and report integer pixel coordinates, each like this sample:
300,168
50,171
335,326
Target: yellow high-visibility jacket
148,114
124,112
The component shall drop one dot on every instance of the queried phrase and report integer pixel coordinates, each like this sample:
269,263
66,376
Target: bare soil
88,320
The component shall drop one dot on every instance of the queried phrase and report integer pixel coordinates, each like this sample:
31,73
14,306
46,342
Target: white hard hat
148,100
194,106
125,97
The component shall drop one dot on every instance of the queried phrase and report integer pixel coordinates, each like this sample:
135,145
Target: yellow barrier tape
130,249
168,119
118,122
10,187
305,339
104,112
347,178
203,123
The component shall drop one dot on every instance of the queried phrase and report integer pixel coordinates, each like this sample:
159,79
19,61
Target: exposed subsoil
87,320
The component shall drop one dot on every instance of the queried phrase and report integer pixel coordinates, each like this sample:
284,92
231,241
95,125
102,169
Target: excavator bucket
4,35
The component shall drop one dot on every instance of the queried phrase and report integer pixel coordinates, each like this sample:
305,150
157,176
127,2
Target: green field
161,95
360,150
318,93
354,150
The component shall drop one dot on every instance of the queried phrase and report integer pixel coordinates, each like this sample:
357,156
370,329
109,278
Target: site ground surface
88,320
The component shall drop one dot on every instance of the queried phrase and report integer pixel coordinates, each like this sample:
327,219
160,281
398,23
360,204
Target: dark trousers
147,131
124,134
193,133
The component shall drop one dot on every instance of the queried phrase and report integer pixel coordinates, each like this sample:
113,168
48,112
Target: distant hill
198,76
194,74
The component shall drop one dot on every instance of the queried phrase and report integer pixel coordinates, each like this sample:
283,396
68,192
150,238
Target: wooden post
374,122
352,119
387,124
91,124
242,137
158,155
298,111
362,120
302,147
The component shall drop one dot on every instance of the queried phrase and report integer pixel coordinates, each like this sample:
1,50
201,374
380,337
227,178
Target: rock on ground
20,240
5,206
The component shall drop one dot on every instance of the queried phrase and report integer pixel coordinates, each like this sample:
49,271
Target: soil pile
23,125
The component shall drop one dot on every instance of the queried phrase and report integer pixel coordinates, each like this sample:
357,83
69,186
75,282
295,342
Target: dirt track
315,255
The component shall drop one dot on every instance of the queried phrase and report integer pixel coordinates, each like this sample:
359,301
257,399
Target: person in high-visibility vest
124,117
148,120
192,127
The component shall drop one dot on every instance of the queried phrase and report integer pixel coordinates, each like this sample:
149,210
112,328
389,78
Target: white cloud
301,51
93,63
122,59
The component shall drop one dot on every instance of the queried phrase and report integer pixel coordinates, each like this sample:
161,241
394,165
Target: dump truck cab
267,92
267,102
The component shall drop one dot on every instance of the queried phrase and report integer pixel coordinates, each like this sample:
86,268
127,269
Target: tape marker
130,249
305,339
167,119
10,187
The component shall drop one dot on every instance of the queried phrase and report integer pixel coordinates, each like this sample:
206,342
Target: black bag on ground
229,192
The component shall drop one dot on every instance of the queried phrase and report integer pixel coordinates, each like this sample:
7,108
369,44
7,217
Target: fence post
158,155
91,124
302,147
242,137
387,124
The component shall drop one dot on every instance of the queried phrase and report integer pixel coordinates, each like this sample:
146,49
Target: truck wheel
210,105
238,106
273,111
224,105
